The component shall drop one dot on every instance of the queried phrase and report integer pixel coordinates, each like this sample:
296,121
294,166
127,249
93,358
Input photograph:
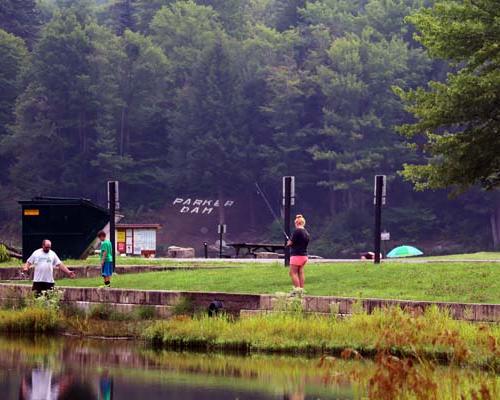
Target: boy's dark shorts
107,269
39,287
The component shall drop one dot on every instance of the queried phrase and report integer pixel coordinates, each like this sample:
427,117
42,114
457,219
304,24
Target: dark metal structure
70,223
379,201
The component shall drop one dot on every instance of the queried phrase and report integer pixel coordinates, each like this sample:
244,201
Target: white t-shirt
44,264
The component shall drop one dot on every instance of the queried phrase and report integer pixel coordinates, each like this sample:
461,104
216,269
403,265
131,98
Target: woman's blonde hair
300,220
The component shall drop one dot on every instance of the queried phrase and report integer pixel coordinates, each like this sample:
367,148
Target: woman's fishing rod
261,192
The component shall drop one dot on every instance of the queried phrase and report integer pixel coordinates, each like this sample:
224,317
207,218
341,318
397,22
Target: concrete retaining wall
164,301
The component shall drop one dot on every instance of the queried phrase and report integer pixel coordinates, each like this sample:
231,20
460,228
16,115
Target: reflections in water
106,386
48,369
44,384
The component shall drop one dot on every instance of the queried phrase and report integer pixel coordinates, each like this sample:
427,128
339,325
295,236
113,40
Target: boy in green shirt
106,258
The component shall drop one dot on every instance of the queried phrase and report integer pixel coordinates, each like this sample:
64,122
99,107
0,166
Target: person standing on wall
44,261
298,254
106,258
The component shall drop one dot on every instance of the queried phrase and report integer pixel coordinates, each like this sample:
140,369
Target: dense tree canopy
460,118
205,97
22,18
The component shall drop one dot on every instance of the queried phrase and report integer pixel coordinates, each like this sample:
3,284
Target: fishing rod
261,192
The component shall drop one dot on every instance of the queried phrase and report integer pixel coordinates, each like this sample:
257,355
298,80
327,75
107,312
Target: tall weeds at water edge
29,320
433,335
284,303
40,315
183,306
49,300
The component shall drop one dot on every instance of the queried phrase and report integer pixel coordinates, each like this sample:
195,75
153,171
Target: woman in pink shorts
298,252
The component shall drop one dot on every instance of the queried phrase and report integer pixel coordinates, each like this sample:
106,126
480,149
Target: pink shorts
298,260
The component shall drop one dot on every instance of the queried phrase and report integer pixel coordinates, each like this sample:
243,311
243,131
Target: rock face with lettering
199,206
190,220
180,252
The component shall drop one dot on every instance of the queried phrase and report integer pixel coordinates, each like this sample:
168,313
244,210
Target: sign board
32,213
120,236
117,194
384,185
384,189
222,228
385,236
292,189
144,239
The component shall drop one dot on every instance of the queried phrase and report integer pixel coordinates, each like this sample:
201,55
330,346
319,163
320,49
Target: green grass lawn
94,260
124,261
459,282
483,255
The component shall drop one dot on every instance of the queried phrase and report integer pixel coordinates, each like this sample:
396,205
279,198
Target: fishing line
261,192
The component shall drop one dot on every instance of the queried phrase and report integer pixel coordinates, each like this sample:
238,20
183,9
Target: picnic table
252,248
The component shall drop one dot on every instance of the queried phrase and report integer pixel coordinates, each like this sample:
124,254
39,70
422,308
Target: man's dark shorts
39,287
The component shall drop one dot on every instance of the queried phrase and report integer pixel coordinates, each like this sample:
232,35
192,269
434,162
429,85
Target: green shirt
106,247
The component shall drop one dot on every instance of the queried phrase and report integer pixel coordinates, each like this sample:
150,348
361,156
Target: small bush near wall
4,254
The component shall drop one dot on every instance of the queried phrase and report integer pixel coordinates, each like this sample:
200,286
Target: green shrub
49,299
4,254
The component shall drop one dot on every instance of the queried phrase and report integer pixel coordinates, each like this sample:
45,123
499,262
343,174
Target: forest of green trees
210,96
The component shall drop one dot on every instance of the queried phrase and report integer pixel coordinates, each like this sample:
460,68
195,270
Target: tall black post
221,229
379,186
220,240
112,215
287,203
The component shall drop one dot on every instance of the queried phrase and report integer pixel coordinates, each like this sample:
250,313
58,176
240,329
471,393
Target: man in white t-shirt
44,261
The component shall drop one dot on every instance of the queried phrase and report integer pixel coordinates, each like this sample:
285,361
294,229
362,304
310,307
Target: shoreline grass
433,336
456,282
29,320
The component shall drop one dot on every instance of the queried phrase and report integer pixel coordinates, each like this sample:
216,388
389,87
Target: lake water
68,368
